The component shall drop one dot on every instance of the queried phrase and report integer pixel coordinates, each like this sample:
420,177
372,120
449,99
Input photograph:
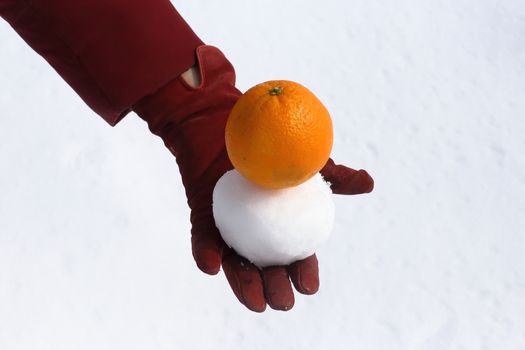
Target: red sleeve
111,52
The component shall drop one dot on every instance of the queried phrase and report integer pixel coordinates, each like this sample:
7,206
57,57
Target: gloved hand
191,122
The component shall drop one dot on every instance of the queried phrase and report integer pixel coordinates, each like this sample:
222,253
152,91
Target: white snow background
428,96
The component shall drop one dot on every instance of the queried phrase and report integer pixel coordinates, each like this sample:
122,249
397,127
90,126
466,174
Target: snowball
273,227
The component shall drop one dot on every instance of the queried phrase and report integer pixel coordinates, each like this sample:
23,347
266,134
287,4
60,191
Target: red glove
191,122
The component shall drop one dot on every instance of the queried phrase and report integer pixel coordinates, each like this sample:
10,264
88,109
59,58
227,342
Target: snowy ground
429,96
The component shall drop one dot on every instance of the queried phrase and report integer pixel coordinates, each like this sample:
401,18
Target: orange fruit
279,134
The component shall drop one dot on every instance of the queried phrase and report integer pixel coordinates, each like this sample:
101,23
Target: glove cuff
176,103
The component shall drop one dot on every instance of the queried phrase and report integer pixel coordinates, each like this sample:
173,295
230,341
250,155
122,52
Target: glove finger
345,180
305,275
207,251
245,281
206,244
277,288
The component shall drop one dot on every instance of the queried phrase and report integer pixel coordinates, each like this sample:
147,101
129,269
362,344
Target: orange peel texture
279,134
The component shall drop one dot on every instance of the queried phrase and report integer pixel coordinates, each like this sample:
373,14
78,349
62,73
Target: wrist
192,76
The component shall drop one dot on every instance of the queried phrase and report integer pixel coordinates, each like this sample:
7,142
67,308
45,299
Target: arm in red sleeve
111,52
